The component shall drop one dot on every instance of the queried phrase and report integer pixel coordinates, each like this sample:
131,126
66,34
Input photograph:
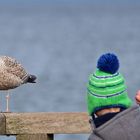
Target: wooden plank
35,137
47,123
2,124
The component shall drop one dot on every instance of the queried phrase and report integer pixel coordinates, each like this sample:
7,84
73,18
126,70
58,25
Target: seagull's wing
9,81
12,66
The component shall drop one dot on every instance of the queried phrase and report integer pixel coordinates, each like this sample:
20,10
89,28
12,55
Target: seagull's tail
31,79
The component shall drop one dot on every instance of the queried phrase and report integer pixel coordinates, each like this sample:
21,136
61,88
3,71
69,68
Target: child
108,103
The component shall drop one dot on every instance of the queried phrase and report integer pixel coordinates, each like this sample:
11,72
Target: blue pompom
108,63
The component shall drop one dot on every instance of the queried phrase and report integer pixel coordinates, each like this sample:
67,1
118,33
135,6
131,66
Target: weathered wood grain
47,123
35,137
2,124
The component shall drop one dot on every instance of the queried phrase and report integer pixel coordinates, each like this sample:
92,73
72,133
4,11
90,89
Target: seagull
12,75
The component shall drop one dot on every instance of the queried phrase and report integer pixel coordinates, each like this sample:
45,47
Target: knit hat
106,87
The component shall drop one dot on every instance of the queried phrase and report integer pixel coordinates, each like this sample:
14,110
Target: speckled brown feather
12,73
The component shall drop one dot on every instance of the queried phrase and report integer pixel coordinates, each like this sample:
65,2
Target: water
61,46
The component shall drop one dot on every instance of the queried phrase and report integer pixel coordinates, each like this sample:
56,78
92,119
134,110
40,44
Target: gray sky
112,2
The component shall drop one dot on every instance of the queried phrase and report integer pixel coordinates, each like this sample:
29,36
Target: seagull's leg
7,102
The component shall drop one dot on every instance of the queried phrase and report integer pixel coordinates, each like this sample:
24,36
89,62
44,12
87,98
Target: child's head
106,87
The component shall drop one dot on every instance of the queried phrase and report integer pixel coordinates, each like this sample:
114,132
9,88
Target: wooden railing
43,126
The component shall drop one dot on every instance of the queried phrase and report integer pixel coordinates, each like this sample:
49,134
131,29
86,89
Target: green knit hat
106,87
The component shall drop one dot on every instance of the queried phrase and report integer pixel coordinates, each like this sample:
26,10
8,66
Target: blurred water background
60,44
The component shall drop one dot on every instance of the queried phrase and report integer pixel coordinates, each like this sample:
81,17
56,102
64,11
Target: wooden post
2,124
43,126
46,123
35,137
